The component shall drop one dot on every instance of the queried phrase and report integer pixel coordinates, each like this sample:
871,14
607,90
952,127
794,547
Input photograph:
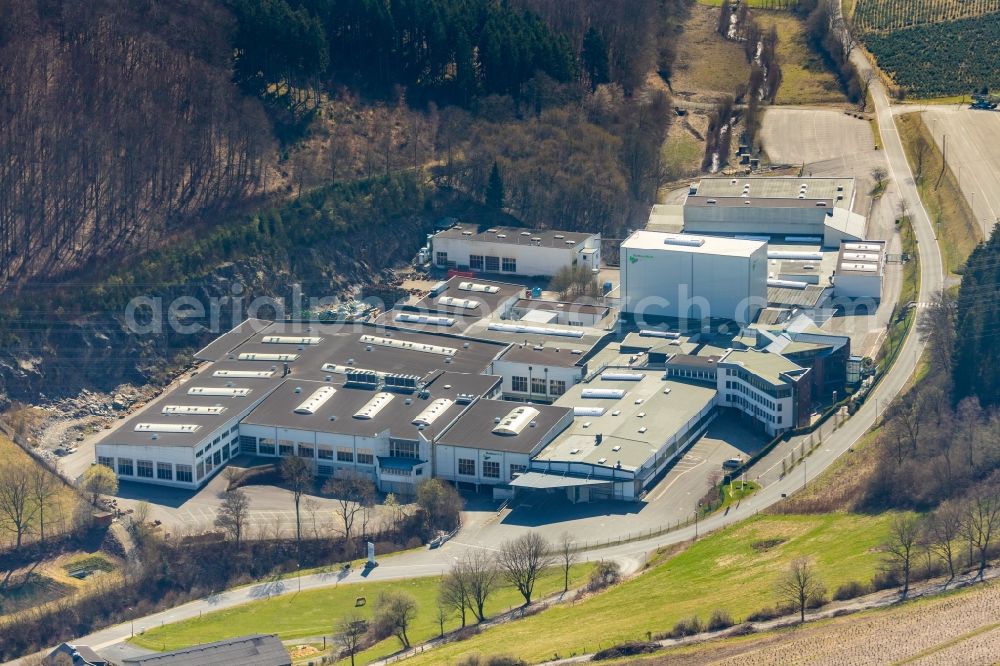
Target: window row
266,446
146,469
479,262
490,468
520,385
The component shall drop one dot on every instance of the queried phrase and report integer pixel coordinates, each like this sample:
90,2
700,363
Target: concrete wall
793,221
858,286
446,464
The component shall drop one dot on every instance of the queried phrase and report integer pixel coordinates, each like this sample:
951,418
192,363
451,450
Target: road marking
677,476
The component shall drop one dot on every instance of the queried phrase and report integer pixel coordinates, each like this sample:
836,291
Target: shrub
884,580
629,649
495,660
605,574
850,590
719,619
765,614
816,599
688,627
744,629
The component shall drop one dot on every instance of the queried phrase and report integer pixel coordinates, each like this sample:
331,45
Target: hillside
956,628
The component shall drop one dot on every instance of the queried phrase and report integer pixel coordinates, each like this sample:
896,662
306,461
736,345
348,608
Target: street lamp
697,511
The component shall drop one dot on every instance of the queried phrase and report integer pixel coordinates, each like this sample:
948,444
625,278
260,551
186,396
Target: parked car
732,463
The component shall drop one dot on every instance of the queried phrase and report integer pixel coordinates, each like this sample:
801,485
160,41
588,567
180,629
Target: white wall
672,283
172,455
507,370
727,397
857,286
531,259
446,463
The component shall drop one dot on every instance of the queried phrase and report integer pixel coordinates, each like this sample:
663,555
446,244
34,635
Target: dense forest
128,123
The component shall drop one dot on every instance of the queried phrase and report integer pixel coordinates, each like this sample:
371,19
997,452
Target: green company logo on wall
634,258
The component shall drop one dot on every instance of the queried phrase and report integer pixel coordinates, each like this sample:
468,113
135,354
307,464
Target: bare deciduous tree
522,560
16,507
480,573
394,613
981,523
44,489
566,549
936,325
233,514
941,529
799,585
348,633
353,493
298,474
453,593
901,547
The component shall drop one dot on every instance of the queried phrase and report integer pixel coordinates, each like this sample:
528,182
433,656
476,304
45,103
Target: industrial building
514,251
860,270
773,392
630,424
811,209
682,277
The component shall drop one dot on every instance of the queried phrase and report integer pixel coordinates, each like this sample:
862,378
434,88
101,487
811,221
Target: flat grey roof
254,650
779,191
556,354
342,342
259,388
515,236
559,306
336,415
689,360
217,348
488,302
474,428
765,365
663,414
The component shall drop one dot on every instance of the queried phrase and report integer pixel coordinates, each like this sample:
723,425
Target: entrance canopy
542,481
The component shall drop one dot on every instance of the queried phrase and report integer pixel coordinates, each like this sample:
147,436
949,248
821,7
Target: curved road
631,555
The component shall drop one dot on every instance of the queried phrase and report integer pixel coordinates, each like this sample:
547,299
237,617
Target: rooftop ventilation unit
787,284
601,461
219,391
865,268
535,330
616,447
406,344
821,204
464,303
408,318
525,233
255,356
290,340
465,398
654,333
588,411
515,421
364,378
603,394
642,429
865,247
194,410
860,256
316,400
680,239
243,374
570,242
559,236
800,256
174,428
481,288
404,382
431,413
374,406
621,376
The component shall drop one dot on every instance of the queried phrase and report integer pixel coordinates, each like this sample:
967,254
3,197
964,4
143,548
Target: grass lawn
706,63
682,153
957,230
804,77
722,571
313,613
